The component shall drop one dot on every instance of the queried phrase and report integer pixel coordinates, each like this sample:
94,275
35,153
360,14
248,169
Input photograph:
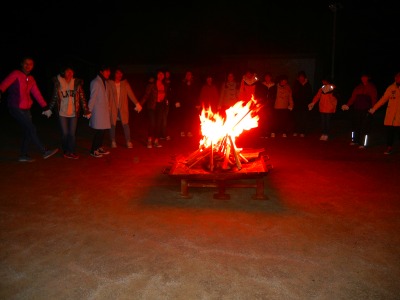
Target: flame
239,117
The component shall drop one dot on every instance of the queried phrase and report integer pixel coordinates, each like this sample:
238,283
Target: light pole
334,7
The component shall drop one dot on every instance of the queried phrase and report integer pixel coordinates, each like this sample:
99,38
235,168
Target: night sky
201,32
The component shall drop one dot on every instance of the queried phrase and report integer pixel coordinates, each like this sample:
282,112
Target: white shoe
102,151
96,154
284,135
183,134
295,134
323,137
129,145
272,135
302,135
113,144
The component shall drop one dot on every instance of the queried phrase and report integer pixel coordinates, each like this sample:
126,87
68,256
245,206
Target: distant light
335,6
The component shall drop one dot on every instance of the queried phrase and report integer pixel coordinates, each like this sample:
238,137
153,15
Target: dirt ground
117,227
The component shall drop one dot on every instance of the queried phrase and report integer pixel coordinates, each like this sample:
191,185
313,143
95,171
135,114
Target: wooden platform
254,170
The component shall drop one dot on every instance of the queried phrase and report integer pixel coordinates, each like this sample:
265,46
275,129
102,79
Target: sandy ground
117,228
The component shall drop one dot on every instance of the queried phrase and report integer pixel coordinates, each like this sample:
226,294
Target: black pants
98,139
391,132
157,121
361,124
326,120
281,121
301,121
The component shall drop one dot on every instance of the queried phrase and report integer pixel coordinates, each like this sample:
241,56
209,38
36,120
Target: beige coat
392,97
125,93
284,98
99,104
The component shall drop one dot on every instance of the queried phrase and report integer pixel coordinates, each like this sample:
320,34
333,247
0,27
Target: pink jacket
21,87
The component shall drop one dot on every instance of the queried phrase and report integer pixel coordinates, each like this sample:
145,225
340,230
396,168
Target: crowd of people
285,107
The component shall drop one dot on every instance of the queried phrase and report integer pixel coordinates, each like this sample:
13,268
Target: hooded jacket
78,94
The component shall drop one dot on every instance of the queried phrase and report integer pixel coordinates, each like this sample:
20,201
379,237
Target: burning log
198,157
238,164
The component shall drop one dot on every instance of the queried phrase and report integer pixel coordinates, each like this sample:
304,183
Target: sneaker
49,153
156,144
129,145
284,135
168,138
189,134
25,158
361,147
389,150
323,137
302,135
102,151
113,144
71,155
96,154
183,134
149,144
295,134
272,135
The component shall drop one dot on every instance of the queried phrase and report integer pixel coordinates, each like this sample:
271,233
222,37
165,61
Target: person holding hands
21,85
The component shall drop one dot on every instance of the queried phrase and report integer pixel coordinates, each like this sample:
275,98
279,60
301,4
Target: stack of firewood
223,155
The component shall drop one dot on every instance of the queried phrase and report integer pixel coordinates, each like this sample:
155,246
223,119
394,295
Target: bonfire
217,147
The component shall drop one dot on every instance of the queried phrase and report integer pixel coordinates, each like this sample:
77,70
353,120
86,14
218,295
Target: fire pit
256,169
219,162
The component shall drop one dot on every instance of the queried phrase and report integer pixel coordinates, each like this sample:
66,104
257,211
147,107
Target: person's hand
310,106
87,116
345,107
47,113
138,108
177,104
371,111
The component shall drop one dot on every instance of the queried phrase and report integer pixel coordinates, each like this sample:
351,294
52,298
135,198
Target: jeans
127,132
164,121
126,128
68,130
24,118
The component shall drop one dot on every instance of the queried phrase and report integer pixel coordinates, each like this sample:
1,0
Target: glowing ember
239,117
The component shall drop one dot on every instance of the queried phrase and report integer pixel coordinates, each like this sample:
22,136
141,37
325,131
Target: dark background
201,32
